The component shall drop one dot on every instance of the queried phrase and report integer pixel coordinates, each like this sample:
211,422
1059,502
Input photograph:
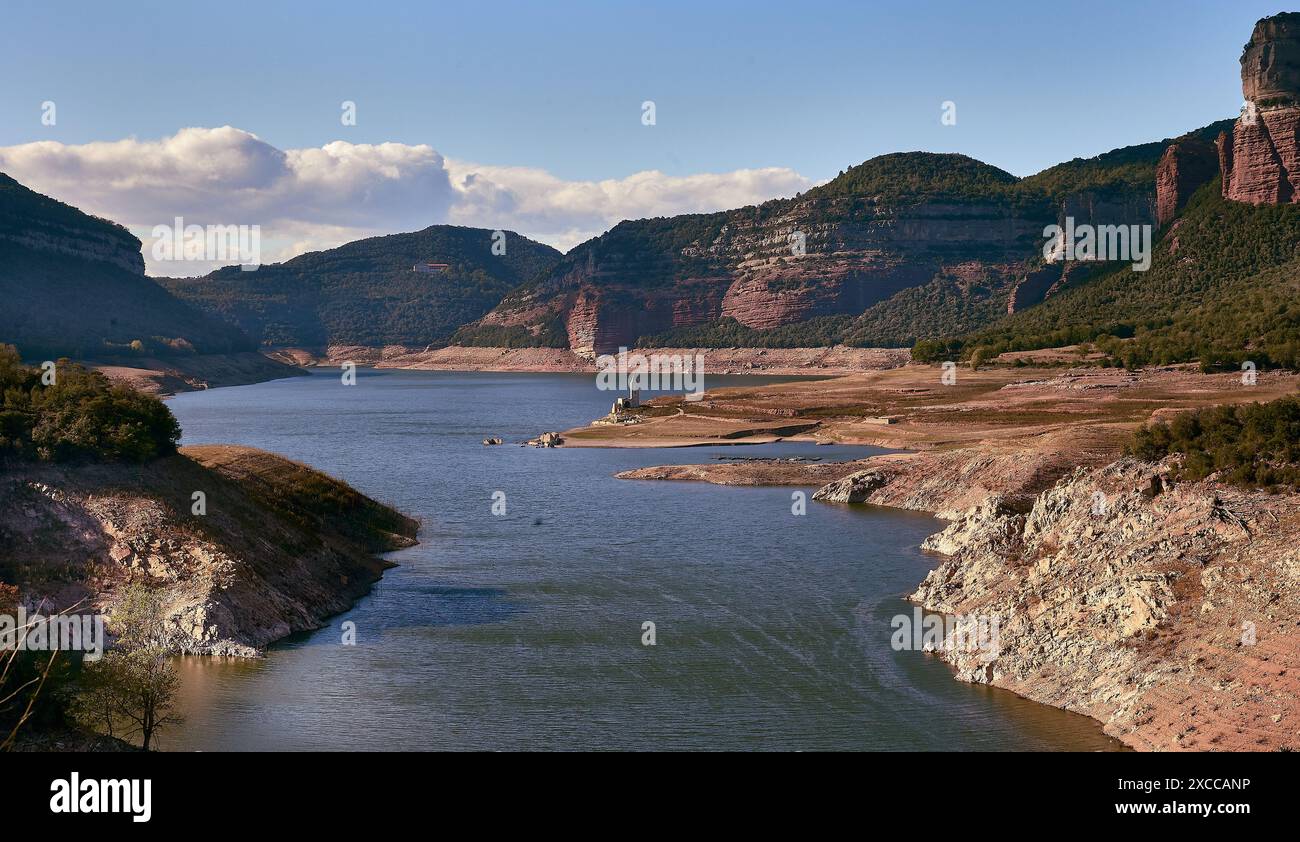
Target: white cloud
308,199
564,213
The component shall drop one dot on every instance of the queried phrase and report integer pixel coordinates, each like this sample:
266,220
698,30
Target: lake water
524,631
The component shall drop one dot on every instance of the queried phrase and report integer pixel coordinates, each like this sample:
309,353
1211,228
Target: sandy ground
1085,414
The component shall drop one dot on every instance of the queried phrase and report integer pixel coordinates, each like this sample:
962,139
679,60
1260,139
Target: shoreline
165,377
819,361
279,548
1103,613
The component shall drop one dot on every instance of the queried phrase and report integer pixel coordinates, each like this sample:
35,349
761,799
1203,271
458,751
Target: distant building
430,268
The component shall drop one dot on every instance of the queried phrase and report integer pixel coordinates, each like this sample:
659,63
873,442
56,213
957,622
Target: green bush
1254,444
81,415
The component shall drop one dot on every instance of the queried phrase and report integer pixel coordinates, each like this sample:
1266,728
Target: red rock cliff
1188,163
1260,157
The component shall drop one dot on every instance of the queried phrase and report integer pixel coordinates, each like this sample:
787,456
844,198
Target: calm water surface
524,631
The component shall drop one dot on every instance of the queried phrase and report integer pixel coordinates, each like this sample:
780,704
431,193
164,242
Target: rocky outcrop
1187,164
947,483
39,223
1270,61
277,548
1260,157
1172,618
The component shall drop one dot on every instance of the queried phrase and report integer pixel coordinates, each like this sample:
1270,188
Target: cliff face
74,285
1260,157
39,223
1270,61
892,224
280,548
1187,164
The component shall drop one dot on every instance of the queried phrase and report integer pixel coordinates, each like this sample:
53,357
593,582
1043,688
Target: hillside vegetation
1254,444
80,416
1220,290
365,293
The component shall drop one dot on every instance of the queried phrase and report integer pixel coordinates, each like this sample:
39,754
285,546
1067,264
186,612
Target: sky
530,116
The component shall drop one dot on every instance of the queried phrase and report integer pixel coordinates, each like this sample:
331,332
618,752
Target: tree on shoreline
132,689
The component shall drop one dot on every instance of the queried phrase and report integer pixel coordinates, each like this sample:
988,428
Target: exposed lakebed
524,630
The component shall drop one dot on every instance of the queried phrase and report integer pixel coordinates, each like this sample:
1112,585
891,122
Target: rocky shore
275,549
1168,611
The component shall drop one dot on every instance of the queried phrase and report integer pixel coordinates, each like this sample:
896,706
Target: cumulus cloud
308,199
564,213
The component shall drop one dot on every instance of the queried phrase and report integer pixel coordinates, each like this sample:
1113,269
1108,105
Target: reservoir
526,630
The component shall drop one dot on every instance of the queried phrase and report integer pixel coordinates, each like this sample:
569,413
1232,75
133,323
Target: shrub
81,415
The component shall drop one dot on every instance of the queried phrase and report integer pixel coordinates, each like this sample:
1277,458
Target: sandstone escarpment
278,548
1260,157
1270,61
1188,163
768,271
914,228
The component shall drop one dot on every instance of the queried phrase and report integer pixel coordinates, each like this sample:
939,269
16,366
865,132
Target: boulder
854,488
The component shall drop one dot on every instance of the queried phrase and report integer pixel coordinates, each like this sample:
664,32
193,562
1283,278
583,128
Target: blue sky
813,86
808,86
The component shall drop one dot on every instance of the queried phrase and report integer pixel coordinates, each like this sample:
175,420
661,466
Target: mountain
901,247
1222,281
74,285
1260,155
367,293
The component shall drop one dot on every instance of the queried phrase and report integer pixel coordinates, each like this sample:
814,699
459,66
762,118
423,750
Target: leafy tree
132,689
81,415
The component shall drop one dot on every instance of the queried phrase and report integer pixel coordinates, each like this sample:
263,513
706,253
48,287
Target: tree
25,679
133,687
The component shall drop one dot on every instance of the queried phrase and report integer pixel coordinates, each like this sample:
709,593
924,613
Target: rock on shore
1172,618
